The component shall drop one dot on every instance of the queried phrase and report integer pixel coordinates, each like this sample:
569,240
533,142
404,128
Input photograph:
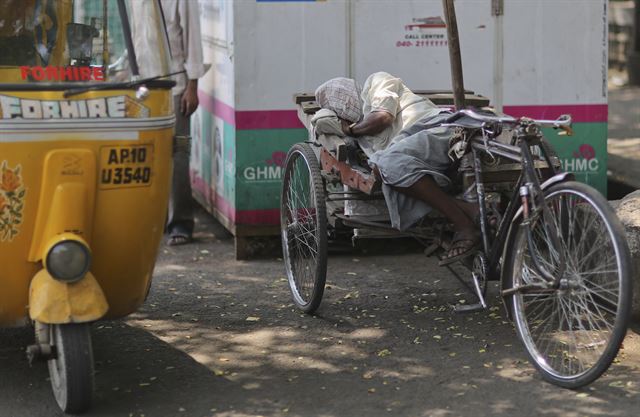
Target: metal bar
477,169
459,278
363,198
500,145
497,7
126,29
484,148
356,222
376,194
503,229
105,37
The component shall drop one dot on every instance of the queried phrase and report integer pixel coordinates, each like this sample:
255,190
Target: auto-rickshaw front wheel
71,368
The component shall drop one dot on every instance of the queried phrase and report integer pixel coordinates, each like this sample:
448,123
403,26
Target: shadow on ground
221,337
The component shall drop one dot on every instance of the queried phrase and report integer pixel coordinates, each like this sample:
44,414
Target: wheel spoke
301,208
571,331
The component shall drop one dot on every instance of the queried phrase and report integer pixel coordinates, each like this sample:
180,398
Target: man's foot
472,210
177,239
464,243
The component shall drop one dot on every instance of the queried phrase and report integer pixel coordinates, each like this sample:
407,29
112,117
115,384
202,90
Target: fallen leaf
384,352
252,318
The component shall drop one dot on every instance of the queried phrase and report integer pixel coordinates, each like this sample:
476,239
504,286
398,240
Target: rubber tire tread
320,276
79,367
626,291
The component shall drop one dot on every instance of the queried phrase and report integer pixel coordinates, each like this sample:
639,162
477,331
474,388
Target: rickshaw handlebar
564,121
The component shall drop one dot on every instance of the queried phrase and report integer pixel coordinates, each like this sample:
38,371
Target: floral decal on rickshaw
12,192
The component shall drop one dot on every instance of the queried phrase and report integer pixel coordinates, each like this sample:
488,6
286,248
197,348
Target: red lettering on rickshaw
51,73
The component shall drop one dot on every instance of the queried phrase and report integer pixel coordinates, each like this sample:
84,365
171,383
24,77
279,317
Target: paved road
218,337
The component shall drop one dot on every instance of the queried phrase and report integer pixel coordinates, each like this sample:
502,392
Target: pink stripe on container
581,113
224,207
288,119
268,119
250,119
217,107
264,216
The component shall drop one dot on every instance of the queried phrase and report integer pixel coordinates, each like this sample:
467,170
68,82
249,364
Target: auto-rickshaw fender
56,302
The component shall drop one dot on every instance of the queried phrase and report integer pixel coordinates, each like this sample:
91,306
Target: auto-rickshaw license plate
125,166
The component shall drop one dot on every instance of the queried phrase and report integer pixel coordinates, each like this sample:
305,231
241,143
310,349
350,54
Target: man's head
341,95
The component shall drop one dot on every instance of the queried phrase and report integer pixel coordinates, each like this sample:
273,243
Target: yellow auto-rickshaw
86,126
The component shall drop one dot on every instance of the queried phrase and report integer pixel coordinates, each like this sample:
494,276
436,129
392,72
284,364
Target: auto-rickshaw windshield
85,41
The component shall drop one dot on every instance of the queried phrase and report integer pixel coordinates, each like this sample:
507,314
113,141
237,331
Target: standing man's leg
180,222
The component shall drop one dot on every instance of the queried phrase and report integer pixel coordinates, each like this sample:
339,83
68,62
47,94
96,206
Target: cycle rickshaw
558,249
86,129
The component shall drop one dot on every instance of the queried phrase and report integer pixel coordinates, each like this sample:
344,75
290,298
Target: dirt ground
220,337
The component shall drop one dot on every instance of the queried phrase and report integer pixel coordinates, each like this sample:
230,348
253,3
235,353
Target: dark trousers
180,220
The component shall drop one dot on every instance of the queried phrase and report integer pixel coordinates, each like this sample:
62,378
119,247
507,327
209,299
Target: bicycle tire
303,221
572,334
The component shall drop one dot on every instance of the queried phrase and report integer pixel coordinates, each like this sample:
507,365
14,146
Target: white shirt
182,18
384,92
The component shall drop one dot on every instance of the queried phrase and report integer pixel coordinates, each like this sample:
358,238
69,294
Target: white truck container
538,58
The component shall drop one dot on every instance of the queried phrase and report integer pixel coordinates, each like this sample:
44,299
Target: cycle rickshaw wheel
572,333
303,222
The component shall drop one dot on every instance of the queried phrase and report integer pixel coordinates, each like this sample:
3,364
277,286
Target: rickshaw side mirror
80,43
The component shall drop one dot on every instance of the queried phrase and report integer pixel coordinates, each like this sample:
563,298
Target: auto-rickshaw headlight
68,260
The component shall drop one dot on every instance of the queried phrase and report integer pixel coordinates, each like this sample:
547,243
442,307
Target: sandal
466,240
177,239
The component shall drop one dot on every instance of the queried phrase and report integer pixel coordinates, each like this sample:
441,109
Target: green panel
213,157
260,157
228,161
584,153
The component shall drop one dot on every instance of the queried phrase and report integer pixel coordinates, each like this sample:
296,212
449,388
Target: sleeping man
410,156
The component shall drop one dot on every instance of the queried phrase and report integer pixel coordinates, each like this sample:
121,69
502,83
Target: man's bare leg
427,190
459,213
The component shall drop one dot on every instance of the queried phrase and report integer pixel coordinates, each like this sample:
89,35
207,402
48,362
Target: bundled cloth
326,122
342,96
